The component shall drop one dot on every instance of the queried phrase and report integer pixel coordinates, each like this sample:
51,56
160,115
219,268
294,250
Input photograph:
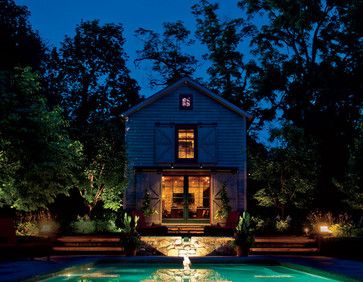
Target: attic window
186,102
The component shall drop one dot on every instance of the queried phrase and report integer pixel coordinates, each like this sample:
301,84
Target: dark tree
19,44
283,176
166,53
90,69
310,68
94,87
228,73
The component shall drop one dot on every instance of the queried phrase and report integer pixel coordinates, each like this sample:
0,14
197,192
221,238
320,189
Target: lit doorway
185,198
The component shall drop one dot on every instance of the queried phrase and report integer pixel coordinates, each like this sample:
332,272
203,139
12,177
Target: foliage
40,223
244,231
130,238
84,225
27,228
20,45
224,208
310,71
166,53
317,218
351,185
38,157
94,87
228,74
284,176
282,225
90,69
146,205
341,225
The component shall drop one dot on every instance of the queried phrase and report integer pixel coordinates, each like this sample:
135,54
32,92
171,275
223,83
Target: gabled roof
192,83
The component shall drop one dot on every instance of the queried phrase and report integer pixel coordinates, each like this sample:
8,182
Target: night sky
56,18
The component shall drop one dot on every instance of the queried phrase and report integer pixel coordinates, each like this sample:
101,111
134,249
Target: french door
185,198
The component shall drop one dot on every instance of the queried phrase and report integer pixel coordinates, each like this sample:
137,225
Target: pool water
169,272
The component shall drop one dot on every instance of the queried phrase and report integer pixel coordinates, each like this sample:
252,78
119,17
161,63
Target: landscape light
324,229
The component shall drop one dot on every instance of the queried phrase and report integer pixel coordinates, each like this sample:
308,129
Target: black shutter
164,143
207,144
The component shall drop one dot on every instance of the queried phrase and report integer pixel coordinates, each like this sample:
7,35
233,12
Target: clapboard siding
230,127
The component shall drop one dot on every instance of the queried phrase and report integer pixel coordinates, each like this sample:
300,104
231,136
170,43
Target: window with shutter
164,144
186,147
207,144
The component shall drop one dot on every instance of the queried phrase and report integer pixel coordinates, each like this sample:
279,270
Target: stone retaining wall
190,246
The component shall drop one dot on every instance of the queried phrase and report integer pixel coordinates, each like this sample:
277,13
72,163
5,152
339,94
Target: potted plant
130,238
244,235
147,207
224,208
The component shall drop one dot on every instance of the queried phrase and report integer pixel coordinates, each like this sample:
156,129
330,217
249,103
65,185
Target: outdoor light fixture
172,165
324,229
306,230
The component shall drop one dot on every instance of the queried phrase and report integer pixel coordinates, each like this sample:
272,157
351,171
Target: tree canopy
60,109
166,53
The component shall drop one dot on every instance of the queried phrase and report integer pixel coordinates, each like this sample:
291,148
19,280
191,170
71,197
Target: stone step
185,228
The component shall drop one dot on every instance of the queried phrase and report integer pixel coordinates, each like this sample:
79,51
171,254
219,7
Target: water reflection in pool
198,273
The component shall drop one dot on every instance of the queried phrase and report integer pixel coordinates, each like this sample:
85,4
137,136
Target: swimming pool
150,272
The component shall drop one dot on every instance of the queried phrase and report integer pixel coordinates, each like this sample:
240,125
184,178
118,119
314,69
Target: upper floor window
186,102
186,138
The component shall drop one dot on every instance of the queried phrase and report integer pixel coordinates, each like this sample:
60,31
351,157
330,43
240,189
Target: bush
27,228
106,226
316,219
259,223
340,226
84,225
282,225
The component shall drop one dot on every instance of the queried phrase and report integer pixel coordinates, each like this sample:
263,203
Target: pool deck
27,269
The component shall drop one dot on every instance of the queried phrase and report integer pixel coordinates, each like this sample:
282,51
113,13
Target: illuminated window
186,102
186,143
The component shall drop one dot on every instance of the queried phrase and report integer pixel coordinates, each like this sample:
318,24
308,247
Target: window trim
186,126
181,96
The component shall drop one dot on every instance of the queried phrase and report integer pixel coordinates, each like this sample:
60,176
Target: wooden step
285,239
89,239
87,249
284,250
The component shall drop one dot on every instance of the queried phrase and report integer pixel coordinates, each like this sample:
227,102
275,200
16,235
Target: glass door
185,198
199,202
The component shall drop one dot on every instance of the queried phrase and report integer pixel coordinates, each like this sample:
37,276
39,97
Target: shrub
282,225
84,225
106,226
317,218
259,223
340,226
27,228
224,208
